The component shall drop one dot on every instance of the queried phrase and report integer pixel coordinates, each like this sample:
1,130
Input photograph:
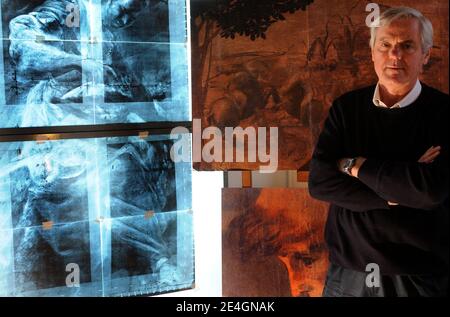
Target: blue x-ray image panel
157,262
139,72
41,61
141,178
41,255
137,239
38,196
85,62
148,23
118,209
139,54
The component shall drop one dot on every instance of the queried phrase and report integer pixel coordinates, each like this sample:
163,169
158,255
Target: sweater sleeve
410,184
326,182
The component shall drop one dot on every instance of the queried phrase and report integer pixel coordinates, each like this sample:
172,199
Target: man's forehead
403,29
400,37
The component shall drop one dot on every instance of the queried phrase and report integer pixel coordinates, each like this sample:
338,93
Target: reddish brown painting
273,243
289,75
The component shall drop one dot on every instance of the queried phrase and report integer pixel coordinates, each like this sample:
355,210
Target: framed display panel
89,62
272,243
282,63
117,209
91,203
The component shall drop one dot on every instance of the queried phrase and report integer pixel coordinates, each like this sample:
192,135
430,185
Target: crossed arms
376,183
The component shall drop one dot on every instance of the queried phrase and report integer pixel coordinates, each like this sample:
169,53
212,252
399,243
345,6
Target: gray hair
393,14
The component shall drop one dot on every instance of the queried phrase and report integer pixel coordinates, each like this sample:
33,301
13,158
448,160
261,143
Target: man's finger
430,154
432,150
434,153
429,158
435,149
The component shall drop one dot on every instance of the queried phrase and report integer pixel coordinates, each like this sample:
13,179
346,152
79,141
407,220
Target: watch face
348,165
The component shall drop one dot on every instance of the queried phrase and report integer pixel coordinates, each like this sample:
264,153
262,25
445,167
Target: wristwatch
349,165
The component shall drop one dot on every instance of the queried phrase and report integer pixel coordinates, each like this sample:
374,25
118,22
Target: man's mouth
394,67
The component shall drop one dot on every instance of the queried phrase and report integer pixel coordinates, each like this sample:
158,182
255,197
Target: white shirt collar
406,101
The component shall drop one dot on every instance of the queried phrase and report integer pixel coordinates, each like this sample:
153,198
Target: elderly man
382,162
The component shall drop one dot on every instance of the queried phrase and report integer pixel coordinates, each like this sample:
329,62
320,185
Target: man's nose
396,52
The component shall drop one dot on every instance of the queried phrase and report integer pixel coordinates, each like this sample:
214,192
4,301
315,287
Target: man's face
123,13
398,55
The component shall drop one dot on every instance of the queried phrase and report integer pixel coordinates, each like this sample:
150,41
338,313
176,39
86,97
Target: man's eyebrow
407,41
384,38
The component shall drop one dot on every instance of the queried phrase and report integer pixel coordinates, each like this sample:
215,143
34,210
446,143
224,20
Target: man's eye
384,46
407,46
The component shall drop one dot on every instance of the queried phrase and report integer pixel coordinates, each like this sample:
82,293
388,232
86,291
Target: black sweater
413,237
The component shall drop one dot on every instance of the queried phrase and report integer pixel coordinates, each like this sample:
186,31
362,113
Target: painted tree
229,19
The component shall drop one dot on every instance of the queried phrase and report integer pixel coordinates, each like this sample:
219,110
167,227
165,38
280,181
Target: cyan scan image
136,52
84,62
118,208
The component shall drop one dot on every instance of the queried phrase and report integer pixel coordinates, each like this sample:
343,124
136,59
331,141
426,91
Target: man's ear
426,57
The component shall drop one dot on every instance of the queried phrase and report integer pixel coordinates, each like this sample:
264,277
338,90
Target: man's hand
429,156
